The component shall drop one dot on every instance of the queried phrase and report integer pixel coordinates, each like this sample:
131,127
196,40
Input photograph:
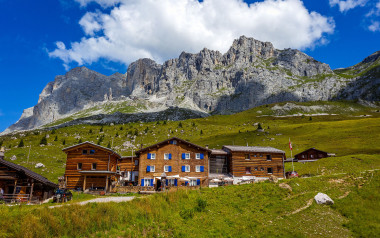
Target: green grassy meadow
351,179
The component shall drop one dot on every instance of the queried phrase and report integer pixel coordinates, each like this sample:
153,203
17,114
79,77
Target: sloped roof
260,149
167,141
311,149
218,152
28,173
92,144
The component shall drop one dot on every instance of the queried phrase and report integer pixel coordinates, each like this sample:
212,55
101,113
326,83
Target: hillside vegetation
344,128
352,179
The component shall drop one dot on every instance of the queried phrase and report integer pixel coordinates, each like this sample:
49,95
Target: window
93,167
167,156
171,182
270,170
167,168
255,155
311,156
197,156
193,182
84,152
185,155
150,168
186,168
147,182
247,157
269,157
137,162
303,156
256,168
79,166
261,155
199,168
262,169
247,170
92,152
174,142
153,156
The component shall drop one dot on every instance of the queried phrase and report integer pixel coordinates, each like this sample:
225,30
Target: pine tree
90,131
21,144
117,134
259,127
146,130
64,142
56,138
101,129
201,132
80,141
164,122
121,128
180,125
1,143
43,141
53,132
136,132
109,145
158,123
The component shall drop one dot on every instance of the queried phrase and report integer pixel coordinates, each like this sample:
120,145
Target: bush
43,141
21,144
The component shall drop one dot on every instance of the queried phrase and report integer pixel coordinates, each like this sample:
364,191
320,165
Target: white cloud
348,4
163,29
375,26
103,3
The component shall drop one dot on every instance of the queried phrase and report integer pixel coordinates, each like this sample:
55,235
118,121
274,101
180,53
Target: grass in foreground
257,210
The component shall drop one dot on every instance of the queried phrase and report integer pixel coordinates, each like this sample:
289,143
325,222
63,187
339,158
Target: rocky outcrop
249,74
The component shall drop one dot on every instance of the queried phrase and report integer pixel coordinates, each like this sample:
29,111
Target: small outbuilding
311,154
20,184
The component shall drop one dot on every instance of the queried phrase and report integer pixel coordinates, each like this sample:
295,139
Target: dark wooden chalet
311,154
184,163
254,161
22,184
90,166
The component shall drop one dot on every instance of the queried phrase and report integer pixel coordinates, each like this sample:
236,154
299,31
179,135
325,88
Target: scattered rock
285,186
273,179
39,165
47,136
13,157
322,198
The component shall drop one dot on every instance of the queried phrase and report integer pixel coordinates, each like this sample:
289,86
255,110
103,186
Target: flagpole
291,153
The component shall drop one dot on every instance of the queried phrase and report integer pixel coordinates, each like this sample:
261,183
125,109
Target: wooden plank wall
239,164
307,154
74,179
127,164
176,162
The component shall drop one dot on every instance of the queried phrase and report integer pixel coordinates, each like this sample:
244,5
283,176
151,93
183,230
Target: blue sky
41,39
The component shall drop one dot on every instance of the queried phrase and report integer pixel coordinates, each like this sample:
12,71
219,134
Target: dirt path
99,200
302,208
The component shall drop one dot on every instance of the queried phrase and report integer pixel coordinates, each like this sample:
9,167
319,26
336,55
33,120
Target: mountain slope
249,74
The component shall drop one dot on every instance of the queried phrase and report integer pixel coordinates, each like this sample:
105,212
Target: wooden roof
259,149
167,142
29,173
311,149
91,144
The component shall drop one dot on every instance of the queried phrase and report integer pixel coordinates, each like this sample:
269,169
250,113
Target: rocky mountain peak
372,58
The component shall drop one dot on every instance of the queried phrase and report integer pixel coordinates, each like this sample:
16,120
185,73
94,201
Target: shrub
21,144
43,141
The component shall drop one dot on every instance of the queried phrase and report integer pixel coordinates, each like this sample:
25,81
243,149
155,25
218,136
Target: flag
290,145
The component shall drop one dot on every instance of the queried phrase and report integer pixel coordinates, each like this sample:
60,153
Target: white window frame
187,155
147,182
193,182
198,156
197,168
187,168
92,166
171,182
166,168
152,168
166,156
152,155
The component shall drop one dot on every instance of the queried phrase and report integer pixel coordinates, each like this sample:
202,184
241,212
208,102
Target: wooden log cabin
20,184
184,163
248,162
90,166
311,154
129,168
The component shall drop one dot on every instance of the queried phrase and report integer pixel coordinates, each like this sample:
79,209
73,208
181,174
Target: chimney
2,153
206,146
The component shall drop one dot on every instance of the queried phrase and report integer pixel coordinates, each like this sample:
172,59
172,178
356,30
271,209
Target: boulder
13,157
273,179
285,186
322,198
39,165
